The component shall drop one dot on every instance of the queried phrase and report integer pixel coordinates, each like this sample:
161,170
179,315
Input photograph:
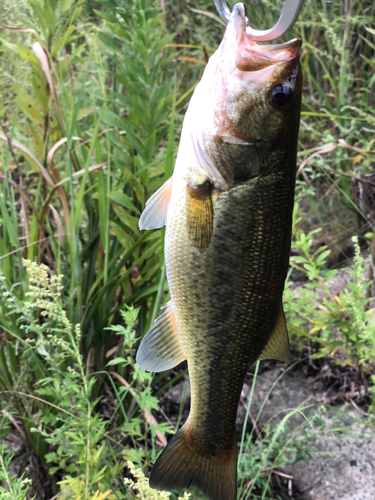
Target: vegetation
92,100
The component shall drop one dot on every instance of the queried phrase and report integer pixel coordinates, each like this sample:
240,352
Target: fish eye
281,94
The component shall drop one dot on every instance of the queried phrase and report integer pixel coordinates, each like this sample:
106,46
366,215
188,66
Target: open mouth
253,57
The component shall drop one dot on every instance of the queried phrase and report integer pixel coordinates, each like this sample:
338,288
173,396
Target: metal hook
288,17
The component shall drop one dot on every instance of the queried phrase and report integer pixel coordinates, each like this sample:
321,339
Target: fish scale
228,215
228,316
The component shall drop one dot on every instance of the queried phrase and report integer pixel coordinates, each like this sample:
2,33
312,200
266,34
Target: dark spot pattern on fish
239,273
226,282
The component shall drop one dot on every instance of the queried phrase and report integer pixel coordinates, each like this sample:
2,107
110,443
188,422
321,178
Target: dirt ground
342,463
342,448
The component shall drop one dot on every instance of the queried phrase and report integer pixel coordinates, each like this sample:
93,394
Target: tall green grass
95,166
85,143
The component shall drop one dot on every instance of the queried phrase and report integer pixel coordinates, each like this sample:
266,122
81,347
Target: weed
77,440
11,486
143,489
341,323
90,97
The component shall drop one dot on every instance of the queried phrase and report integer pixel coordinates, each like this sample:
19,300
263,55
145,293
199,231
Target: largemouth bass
228,215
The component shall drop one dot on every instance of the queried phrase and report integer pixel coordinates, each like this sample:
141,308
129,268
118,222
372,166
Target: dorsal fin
278,344
161,348
155,213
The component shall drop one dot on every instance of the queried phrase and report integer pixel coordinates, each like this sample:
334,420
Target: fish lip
239,12
239,20
252,57
294,43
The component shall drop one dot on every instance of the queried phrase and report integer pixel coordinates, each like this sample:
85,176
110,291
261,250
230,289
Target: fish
228,215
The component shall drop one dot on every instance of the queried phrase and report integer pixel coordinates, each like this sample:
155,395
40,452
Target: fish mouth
252,57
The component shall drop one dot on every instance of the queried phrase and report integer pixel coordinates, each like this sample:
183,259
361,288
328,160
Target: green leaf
108,41
63,40
299,259
83,112
127,219
30,107
27,55
125,201
117,361
66,5
107,16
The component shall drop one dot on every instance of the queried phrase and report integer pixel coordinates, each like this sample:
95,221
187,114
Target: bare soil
341,465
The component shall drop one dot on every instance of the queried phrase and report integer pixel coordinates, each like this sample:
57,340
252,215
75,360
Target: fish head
246,105
260,85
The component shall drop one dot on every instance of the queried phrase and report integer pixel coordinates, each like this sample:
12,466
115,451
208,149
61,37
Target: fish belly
226,300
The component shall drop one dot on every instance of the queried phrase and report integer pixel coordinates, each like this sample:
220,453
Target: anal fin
155,213
161,348
278,344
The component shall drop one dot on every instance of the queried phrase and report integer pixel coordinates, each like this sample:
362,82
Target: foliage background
92,100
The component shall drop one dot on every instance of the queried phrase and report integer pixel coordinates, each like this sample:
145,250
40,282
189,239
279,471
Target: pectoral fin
160,348
200,213
155,213
278,344
204,160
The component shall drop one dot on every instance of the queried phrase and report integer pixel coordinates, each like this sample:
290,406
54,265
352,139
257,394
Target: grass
92,101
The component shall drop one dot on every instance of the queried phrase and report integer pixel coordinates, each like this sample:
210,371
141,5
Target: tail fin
182,465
